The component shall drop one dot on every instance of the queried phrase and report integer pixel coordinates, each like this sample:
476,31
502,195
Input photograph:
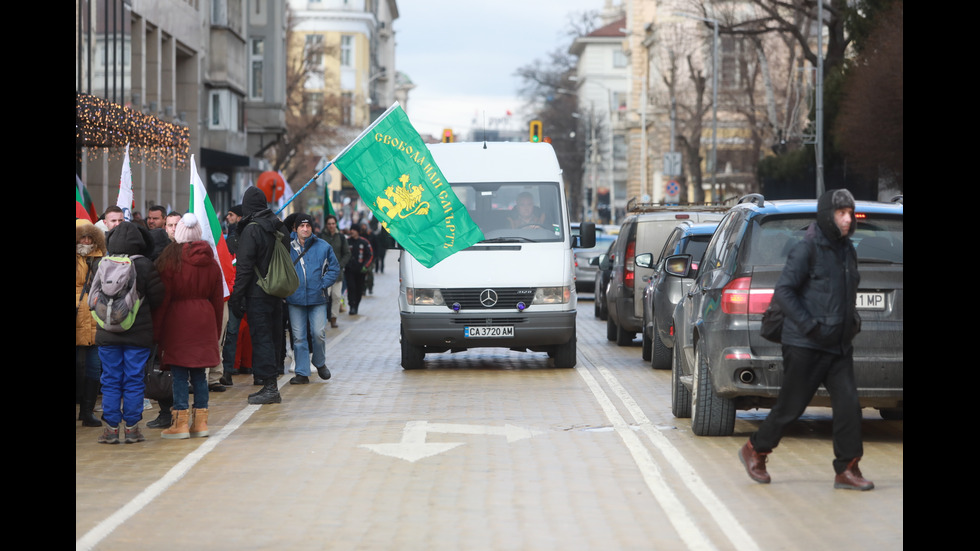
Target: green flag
394,173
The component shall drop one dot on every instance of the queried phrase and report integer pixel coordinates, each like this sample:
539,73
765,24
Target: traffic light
536,131
447,135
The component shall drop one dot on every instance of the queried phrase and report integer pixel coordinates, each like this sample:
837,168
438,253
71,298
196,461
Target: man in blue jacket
317,268
817,293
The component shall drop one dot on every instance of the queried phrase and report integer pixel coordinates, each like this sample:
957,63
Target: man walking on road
817,293
317,268
341,249
257,229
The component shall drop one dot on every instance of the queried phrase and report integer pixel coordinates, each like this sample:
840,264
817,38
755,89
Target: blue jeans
314,319
122,380
198,378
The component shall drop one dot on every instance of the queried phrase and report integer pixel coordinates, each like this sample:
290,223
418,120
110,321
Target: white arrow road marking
414,447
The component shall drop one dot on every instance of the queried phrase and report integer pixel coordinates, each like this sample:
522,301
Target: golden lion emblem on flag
404,200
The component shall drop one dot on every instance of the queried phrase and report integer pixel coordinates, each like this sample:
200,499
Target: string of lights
105,128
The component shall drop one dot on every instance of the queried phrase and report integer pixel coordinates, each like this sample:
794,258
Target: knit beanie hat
188,229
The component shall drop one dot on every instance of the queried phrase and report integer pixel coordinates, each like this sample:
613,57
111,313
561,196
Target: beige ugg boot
199,427
178,426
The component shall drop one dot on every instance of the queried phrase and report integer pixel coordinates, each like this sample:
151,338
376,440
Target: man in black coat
817,293
256,234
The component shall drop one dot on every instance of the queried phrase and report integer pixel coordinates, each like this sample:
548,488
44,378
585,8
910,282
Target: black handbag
159,384
772,323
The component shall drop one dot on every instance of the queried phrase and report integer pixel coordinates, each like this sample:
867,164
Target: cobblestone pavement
487,449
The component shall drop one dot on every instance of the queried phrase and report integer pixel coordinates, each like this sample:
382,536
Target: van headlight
552,295
424,297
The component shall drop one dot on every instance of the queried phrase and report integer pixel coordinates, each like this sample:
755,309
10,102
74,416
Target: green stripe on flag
394,173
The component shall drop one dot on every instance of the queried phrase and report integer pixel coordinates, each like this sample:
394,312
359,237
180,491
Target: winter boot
164,418
226,379
851,478
134,434
178,427
90,392
110,435
200,425
268,395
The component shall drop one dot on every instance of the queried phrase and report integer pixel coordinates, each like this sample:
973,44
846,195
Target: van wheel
711,415
611,330
680,396
661,354
565,354
413,356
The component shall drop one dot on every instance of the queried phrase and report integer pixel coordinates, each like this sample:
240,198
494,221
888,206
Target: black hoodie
130,239
254,247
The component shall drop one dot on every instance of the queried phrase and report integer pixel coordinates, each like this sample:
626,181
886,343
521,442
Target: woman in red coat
188,323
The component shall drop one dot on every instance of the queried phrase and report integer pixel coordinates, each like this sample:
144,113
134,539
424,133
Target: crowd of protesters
196,326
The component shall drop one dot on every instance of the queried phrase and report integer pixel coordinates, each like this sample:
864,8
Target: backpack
281,279
114,299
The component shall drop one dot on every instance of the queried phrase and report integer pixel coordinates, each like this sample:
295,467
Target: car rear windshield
877,238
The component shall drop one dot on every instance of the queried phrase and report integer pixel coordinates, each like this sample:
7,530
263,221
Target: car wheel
624,338
680,396
661,354
611,330
596,309
565,354
892,414
647,347
413,356
711,415
603,309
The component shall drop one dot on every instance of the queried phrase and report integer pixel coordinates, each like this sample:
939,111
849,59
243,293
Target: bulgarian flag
201,206
84,208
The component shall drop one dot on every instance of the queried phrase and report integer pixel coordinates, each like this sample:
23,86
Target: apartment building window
257,56
347,109
226,111
732,61
314,50
619,58
313,103
346,51
216,118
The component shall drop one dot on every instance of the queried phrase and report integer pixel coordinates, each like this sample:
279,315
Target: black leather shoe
323,372
226,379
163,420
216,387
245,371
300,380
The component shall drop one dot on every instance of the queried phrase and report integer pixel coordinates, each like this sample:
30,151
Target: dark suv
722,364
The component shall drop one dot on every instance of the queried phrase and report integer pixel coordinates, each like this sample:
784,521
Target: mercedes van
516,288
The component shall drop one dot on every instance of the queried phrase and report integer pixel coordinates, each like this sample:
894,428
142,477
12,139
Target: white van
516,288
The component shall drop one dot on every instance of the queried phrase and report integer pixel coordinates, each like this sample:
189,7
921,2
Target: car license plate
870,301
489,331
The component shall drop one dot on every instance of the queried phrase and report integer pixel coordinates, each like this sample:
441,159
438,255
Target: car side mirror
603,262
678,265
644,260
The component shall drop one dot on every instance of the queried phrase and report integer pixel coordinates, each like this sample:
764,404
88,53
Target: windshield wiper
509,240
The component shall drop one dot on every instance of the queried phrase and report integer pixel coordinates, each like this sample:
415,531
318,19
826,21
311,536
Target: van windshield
514,211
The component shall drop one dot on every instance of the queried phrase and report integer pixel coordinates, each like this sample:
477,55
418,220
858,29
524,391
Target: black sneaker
162,421
323,372
216,387
300,380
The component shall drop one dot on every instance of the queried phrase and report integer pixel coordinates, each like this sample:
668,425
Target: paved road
488,449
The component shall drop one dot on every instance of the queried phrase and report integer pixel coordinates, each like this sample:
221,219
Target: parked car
603,273
643,231
664,292
585,271
722,364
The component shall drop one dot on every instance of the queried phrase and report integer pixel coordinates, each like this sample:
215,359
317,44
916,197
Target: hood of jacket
197,253
85,228
829,202
253,202
129,239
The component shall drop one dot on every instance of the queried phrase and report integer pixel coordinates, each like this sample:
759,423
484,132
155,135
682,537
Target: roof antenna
484,129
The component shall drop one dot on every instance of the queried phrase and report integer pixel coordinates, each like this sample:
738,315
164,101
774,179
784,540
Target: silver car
585,271
663,293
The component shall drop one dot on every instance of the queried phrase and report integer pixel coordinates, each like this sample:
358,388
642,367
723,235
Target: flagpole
339,155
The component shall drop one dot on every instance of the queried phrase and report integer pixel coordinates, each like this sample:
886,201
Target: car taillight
739,298
628,264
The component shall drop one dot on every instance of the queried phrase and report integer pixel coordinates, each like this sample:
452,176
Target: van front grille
481,298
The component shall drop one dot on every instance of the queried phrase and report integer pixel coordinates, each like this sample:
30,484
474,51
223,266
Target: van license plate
871,301
489,331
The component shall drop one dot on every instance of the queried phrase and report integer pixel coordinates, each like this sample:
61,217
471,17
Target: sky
462,56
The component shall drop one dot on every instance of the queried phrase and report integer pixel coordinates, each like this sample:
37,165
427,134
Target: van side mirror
586,236
644,260
678,265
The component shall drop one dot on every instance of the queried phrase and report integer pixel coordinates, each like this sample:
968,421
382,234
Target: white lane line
675,512
729,525
135,505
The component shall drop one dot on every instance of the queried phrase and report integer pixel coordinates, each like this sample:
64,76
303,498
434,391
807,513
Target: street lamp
714,98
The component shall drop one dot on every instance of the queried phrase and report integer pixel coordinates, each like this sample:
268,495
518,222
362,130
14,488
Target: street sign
672,164
672,192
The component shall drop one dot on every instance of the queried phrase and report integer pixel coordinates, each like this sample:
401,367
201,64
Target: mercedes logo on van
488,298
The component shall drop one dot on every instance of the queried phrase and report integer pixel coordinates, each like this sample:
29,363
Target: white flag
287,192
125,199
